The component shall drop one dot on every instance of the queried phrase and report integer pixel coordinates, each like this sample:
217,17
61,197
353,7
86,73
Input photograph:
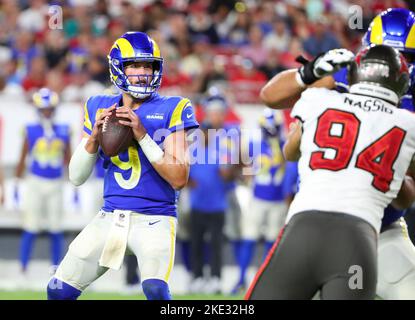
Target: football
113,137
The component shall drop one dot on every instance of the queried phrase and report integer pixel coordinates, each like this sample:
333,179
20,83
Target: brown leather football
114,138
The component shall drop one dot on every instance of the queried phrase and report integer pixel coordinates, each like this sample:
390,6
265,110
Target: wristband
151,149
306,71
300,81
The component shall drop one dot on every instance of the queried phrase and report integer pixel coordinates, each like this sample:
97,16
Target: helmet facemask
148,84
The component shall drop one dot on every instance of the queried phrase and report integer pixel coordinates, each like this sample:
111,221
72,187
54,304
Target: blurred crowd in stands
237,45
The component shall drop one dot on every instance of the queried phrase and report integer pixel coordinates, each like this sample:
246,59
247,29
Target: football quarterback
140,185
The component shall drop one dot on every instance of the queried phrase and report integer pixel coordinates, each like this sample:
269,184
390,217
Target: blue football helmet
394,27
45,99
214,100
135,47
217,103
271,123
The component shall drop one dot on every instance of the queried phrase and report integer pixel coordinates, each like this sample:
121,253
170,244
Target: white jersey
355,151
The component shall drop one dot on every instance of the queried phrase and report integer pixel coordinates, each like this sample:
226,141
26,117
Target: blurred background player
208,186
393,27
267,209
214,108
47,147
218,113
141,184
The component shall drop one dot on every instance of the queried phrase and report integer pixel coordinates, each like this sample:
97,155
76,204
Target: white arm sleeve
81,164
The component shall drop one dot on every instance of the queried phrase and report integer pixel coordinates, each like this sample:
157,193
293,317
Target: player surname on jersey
368,105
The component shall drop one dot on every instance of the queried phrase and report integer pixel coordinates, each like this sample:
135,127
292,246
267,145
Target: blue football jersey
391,214
209,193
291,179
47,151
130,181
99,170
269,168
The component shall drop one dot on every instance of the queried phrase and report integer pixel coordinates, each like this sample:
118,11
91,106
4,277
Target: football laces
105,124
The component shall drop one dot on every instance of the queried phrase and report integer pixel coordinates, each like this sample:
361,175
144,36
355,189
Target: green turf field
36,295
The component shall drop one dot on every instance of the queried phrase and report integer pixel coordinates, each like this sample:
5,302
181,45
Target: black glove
324,64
